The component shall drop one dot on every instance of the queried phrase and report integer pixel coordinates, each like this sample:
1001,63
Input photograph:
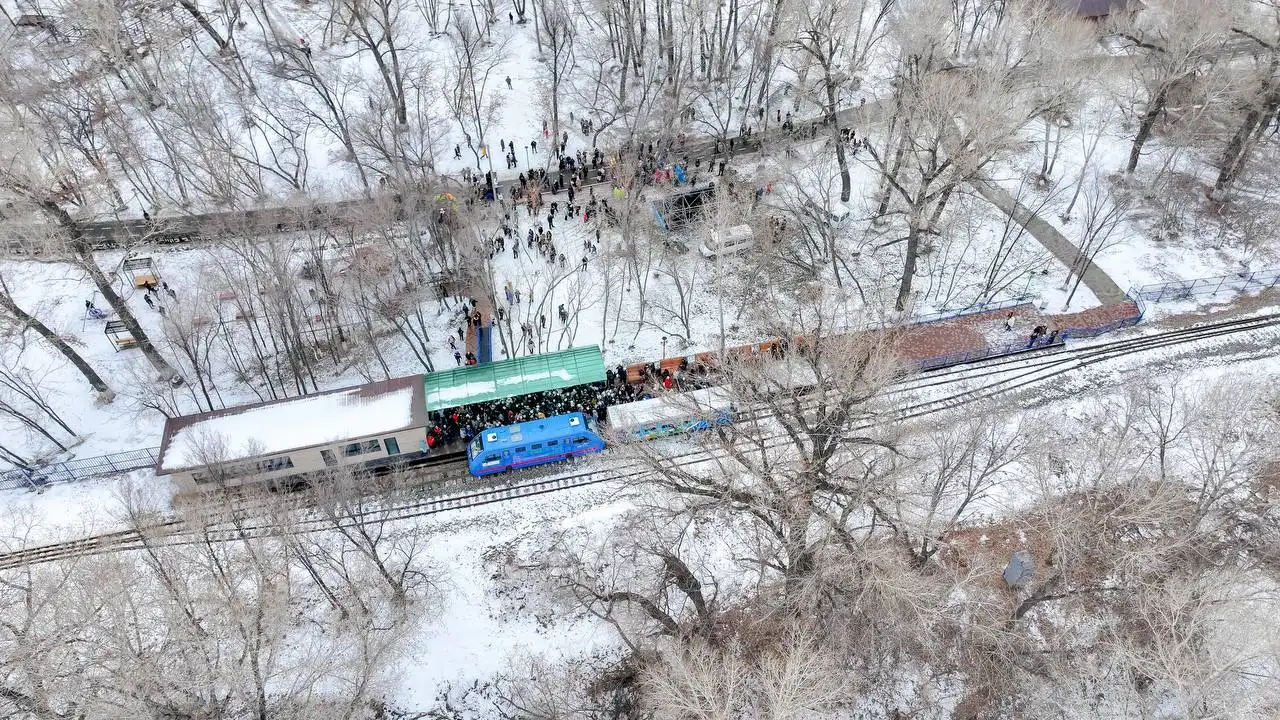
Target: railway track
445,485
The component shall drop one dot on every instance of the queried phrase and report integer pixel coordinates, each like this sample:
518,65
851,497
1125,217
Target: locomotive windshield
474,449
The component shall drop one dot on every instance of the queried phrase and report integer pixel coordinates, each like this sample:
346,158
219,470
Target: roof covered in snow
518,376
699,404
280,426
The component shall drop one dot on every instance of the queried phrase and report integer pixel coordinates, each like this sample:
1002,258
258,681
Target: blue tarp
484,344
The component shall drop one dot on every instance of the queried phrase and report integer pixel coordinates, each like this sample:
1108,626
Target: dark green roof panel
518,376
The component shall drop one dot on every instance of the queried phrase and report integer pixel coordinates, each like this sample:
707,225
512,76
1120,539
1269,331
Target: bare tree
948,126
840,35
1104,212
1179,39
558,26
468,93
1258,96
23,320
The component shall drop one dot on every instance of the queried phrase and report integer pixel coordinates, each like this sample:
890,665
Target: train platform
960,337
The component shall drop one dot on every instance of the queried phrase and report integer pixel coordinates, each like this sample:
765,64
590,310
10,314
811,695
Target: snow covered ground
1157,239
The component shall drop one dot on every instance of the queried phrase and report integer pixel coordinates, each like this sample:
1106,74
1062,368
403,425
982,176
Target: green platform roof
518,376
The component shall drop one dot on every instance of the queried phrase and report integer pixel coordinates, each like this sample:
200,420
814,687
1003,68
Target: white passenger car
280,442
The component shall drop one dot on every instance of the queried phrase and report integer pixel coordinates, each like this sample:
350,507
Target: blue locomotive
532,443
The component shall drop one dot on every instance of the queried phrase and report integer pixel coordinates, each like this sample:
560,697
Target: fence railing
79,469
971,310
1202,287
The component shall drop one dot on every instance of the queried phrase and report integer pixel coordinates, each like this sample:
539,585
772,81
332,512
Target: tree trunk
842,158
909,265
84,254
1237,151
194,11
886,188
775,21
96,382
1148,122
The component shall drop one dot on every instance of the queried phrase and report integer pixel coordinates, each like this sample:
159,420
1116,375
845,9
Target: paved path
1098,282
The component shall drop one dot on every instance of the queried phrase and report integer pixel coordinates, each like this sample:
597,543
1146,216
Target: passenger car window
537,446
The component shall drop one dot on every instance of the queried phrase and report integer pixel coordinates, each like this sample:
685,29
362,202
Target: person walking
457,358
508,82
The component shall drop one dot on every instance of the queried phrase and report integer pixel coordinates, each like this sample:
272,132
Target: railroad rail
446,487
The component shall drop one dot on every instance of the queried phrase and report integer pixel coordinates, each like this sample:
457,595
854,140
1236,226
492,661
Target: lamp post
664,347
527,162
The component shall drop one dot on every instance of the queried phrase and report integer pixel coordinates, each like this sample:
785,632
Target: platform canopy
518,376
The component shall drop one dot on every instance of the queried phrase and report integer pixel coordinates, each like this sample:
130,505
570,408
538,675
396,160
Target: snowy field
897,541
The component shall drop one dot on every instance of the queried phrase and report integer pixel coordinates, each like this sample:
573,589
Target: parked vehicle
736,239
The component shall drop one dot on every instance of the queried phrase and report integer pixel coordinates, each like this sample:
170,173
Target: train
565,437
536,442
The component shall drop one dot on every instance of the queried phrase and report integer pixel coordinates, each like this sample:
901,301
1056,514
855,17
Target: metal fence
971,310
80,469
1201,287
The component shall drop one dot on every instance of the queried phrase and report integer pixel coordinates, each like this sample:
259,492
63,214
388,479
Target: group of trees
833,554
280,616
118,108
830,546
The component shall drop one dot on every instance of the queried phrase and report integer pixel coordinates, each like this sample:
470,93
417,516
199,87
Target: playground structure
119,335
141,270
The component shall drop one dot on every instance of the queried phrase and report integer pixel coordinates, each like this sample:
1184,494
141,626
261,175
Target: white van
736,239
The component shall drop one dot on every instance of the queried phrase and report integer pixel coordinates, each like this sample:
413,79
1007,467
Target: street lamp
527,162
664,347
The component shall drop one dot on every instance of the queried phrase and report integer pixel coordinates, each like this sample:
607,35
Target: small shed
141,270
119,335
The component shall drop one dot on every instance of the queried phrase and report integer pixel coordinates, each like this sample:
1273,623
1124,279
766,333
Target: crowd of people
460,424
